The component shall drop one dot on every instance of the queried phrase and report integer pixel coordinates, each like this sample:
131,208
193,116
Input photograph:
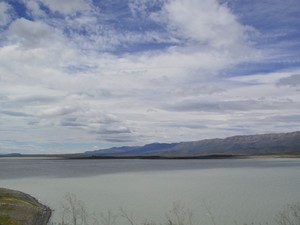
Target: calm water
234,191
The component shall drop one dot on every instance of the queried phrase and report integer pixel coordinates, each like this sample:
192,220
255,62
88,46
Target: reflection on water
244,191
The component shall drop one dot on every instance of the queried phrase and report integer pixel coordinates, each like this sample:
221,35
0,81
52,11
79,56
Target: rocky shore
18,208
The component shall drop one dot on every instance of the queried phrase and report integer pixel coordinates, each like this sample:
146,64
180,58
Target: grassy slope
17,208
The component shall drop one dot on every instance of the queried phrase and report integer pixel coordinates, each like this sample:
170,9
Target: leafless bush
290,215
108,218
128,217
179,215
75,213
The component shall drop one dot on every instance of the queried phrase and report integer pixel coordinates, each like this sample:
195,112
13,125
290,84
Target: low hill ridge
241,144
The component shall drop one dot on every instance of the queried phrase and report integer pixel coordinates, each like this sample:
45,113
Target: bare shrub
73,211
108,218
290,215
128,217
179,215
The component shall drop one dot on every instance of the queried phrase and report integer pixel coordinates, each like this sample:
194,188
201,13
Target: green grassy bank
17,208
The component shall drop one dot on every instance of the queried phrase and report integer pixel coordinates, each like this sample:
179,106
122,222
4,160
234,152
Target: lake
228,190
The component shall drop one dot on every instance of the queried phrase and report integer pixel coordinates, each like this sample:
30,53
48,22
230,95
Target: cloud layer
78,75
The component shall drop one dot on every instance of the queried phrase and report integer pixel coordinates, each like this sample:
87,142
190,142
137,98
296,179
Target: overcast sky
79,75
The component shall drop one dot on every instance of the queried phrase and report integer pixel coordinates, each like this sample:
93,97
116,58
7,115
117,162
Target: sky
78,75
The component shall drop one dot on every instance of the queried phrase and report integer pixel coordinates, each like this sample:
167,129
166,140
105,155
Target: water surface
233,190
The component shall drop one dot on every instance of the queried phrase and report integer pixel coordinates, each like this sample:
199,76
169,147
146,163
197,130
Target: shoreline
290,155
187,157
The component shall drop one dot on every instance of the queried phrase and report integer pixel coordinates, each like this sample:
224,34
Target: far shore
176,157
155,157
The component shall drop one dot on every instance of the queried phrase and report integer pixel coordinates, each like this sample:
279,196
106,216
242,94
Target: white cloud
293,81
34,8
69,86
57,111
206,22
67,7
32,34
5,14
140,8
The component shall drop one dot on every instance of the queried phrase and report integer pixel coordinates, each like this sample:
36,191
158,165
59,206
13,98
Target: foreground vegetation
17,208
75,213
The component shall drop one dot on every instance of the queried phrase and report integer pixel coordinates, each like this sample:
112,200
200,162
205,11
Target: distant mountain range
237,145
